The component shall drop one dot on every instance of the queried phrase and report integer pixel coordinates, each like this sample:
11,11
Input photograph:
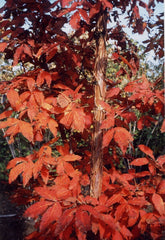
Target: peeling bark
99,94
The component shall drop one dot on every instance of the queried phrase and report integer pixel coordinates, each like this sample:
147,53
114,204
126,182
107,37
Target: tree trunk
99,92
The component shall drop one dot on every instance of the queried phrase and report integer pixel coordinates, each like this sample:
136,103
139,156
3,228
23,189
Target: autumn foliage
66,93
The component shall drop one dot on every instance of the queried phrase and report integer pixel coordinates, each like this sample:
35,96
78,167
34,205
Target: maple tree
71,179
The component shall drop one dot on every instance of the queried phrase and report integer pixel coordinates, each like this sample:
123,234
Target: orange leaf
6,114
139,161
15,161
158,203
14,99
45,174
63,100
78,122
108,137
52,124
37,209
146,150
53,213
70,158
26,130
27,172
43,75
9,122
61,192
46,193
14,172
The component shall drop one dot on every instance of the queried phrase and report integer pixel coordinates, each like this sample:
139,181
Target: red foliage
57,96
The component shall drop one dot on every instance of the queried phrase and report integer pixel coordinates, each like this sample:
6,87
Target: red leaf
106,107
83,220
108,122
117,236
161,160
61,192
122,137
116,198
31,84
65,2
3,45
133,214
125,232
75,20
145,121
17,54
136,12
108,137
37,209
139,161
6,114
113,92
84,15
108,4
94,9
129,117
85,180
163,127
158,203
120,211
161,187
64,221
146,150
53,213
27,50
138,201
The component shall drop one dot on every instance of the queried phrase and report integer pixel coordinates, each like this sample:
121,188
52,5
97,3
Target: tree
76,121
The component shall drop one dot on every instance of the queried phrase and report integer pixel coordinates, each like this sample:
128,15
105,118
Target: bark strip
99,91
